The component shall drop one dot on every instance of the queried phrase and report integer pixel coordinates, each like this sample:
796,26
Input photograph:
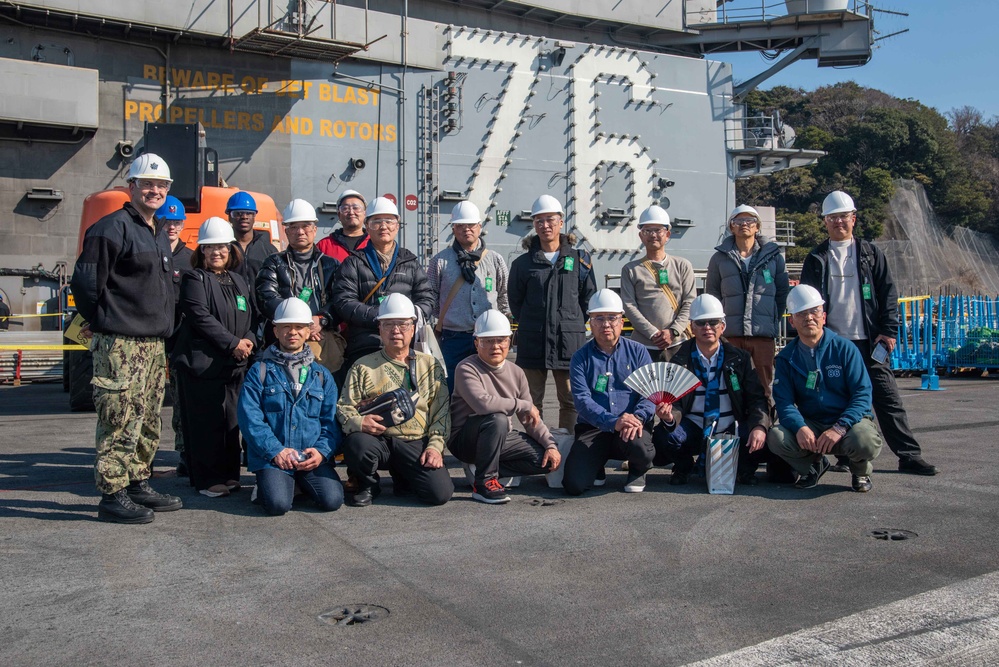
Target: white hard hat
654,215
347,194
396,307
837,202
492,323
739,210
706,307
149,165
546,204
381,206
605,301
465,213
215,230
299,210
293,311
803,297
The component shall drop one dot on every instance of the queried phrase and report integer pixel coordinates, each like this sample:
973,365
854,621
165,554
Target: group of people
293,357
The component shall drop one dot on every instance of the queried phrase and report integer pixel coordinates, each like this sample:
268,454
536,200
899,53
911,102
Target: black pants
366,454
888,406
487,442
211,433
592,449
681,445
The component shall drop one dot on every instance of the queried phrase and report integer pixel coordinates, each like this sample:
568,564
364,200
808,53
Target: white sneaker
636,485
601,477
510,482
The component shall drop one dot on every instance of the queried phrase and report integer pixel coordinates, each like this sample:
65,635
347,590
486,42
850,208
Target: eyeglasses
839,217
707,323
654,231
548,221
242,214
300,228
744,222
144,184
387,224
356,208
395,325
604,320
215,247
494,342
174,223
813,313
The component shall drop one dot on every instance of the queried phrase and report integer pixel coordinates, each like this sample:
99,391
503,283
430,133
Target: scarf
712,408
294,363
375,262
467,259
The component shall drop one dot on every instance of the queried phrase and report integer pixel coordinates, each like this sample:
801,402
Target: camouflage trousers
129,380
175,422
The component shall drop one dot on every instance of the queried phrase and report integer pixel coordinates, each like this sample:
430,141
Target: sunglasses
707,323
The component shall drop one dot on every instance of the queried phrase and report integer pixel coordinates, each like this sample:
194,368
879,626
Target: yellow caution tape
33,348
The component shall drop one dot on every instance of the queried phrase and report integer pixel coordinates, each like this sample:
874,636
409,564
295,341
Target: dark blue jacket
602,408
843,389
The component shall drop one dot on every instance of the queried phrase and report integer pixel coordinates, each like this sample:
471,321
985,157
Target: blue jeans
276,488
455,346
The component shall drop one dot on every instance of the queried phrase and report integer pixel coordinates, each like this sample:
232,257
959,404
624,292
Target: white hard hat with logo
803,297
654,215
605,301
293,311
347,194
837,202
465,213
492,323
396,307
215,230
706,307
740,210
381,206
299,210
546,204
151,166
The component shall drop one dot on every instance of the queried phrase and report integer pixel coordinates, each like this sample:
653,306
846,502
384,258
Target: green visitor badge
381,298
489,284
867,291
767,277
569,263
241,302
813,380
302,374
305,293
734,382
663,277
601,385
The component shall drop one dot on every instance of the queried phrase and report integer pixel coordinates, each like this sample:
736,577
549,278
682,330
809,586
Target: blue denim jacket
602,408
271,418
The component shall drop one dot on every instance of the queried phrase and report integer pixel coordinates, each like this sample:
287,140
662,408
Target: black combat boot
117,507
142,494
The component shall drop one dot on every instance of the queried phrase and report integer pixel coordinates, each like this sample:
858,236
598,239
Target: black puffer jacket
881,310
277,281
549,302
357,279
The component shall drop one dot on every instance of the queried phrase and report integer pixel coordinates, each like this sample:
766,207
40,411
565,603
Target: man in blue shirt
613,421
823,397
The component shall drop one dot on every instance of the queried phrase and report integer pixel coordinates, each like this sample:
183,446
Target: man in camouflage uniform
123,285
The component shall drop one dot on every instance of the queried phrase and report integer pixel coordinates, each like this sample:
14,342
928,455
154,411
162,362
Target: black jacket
549,303
258,250
205,343
123,280
277,281
357,279
880,311
749,404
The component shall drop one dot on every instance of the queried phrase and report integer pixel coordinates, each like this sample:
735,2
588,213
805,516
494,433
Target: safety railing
698,12
967,334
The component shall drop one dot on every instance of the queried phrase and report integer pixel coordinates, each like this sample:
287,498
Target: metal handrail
740,11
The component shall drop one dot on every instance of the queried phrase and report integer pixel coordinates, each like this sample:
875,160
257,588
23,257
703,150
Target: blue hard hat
172,209
241,201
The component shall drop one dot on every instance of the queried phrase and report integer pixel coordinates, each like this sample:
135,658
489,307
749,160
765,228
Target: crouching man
402,436
730,392
287,413
823,397
614,421
488,393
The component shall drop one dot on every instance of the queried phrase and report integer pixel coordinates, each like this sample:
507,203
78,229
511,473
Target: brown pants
763,350
537,379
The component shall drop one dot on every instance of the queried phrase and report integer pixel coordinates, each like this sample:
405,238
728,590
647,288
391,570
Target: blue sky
949,58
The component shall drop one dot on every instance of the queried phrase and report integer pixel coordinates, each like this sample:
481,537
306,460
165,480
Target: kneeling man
613,422
823,398
412,450
730,392
488,393
286,413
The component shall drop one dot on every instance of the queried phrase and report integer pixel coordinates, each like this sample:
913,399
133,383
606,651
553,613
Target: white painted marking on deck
954,625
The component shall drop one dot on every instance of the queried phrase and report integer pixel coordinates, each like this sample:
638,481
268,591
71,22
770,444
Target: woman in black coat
211,355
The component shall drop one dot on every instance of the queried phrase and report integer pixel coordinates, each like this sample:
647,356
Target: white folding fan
663,382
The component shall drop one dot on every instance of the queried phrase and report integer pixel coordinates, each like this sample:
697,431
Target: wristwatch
674,333
840,428
324,321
